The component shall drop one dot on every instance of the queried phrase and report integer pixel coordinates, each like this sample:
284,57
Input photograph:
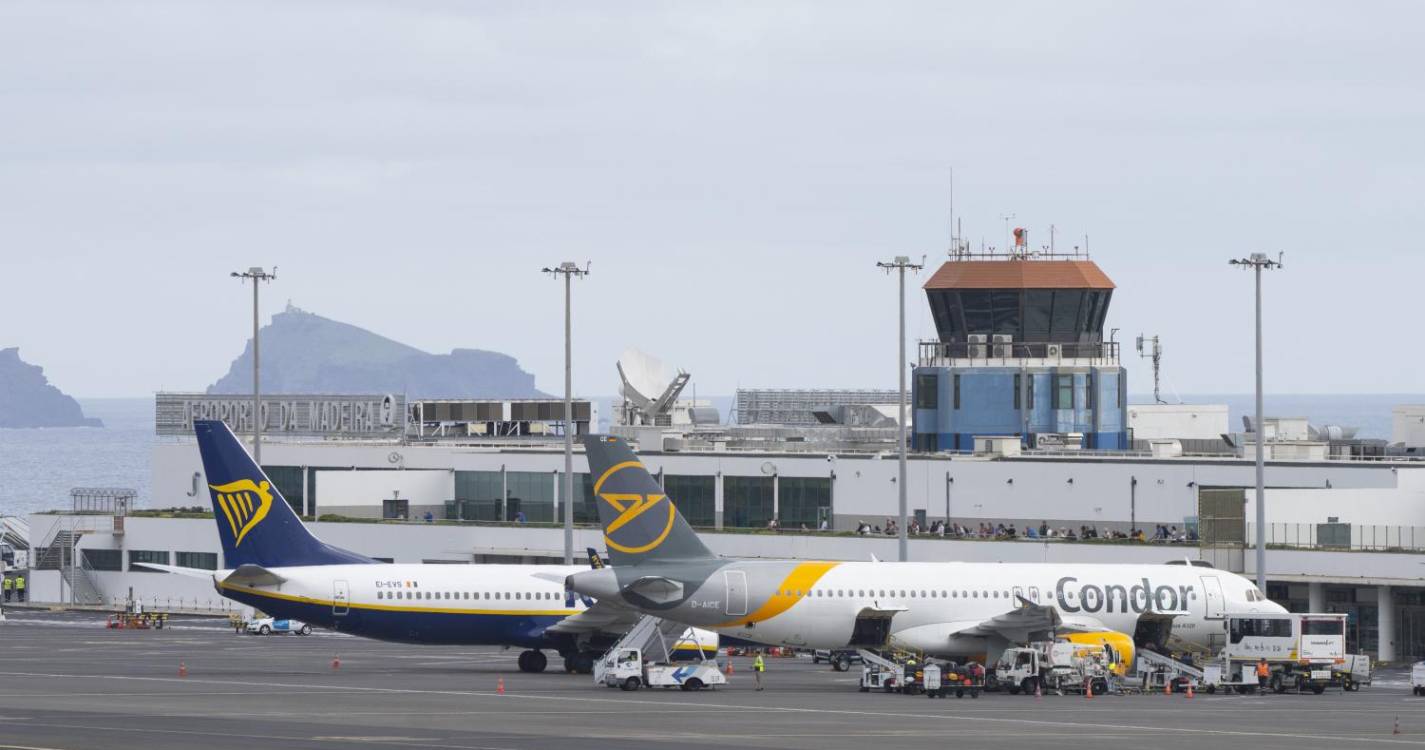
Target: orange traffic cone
1088,690
1168,688
182,669
336,662
729,660
500,687
1038,693
1189,690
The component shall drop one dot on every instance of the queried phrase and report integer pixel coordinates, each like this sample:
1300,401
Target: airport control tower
1020,352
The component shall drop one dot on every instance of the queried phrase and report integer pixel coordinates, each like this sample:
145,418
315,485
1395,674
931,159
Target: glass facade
1029,315
288,480
478,495
800,500
202,560
147,556
695,497
103,559
531,493
746,502
585,511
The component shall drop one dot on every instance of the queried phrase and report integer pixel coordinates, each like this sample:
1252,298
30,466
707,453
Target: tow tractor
1417,678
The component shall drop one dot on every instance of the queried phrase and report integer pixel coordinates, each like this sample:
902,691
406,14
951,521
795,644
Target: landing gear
580,663
533,661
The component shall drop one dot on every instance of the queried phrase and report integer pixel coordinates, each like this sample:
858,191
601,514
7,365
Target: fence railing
1341,536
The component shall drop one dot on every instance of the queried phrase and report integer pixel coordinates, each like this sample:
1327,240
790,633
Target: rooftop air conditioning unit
978,350
1054,351
1003,345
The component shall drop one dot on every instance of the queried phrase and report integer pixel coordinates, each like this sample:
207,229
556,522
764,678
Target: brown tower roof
1019,274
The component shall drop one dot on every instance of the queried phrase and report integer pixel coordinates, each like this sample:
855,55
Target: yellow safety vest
20,583
9,583
758,664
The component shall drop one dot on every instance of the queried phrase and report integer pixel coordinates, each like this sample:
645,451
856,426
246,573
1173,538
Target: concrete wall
1408,425
362,493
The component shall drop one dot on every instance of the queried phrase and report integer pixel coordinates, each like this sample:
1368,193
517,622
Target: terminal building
1020,372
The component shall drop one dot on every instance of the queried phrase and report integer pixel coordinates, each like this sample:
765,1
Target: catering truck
1303,652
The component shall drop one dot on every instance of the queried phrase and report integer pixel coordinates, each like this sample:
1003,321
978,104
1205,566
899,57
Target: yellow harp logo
244,503
631,505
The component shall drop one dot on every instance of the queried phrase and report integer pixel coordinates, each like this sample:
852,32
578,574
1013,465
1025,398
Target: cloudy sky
732,170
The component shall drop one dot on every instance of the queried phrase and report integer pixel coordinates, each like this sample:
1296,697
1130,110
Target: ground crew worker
19,588
9,586
758,667
1263,672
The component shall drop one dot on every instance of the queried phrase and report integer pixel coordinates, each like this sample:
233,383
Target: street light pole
568,270
1257,262
900,264
256,274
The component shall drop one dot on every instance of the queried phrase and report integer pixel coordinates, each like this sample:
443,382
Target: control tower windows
927,391
1063,393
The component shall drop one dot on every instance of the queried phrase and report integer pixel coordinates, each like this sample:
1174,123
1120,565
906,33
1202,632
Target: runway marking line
1058,725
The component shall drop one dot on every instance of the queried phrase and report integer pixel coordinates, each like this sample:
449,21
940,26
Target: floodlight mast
569,270
901,264
1258,262
256,274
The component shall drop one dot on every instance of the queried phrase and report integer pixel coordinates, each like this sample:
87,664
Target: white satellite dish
644,375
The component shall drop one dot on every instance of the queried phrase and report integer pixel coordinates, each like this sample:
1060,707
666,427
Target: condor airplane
278,567
950,610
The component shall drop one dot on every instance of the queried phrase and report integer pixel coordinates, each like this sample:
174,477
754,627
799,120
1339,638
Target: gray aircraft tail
640,522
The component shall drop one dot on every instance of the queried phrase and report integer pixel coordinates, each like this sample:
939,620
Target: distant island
28,400
306,353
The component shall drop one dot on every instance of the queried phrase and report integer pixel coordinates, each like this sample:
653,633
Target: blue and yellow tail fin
639,520
255,523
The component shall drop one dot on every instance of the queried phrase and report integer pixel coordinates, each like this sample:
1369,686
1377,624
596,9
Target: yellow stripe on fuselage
393,608
801,579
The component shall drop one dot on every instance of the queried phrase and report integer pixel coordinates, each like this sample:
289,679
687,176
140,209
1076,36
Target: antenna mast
1156,354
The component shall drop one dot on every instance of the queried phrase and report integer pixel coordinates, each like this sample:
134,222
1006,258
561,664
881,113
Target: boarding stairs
1156,670
655,637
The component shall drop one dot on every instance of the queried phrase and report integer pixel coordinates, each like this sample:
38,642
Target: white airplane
951,610
278,567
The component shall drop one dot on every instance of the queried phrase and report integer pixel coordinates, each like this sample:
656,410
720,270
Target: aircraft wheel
1277,684
843,663
1211,689
1318,689
533,661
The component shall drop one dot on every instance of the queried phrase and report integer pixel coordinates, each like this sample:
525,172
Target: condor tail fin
640,522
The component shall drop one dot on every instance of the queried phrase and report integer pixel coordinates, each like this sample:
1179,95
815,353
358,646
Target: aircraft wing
600,617
179,570
1031,621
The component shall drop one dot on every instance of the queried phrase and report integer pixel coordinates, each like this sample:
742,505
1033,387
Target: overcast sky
733,170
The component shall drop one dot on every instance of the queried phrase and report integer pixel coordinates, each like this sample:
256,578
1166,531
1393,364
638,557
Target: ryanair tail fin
640,522
255,523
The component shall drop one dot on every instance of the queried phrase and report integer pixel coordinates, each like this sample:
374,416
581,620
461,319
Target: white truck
626,669
1059,666
1417,678
1302,651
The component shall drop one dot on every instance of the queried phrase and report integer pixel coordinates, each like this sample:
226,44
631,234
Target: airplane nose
601,584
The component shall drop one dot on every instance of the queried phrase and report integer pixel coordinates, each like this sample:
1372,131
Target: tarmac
67,683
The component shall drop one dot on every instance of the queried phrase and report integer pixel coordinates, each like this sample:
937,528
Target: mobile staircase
651,635
1157,671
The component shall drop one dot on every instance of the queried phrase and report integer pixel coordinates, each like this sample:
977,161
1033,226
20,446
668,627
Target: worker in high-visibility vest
19,588
758,667
9,586
1263,672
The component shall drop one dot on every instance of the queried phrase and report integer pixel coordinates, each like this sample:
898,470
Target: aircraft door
1034,594
1018,596
1212,597
341,598
736,581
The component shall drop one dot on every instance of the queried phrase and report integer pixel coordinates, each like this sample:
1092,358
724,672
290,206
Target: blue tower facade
1020,352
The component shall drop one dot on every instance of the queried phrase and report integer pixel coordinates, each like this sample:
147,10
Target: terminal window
159,557
200,560
927,395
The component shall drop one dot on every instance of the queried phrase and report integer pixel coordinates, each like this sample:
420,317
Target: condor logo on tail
244,503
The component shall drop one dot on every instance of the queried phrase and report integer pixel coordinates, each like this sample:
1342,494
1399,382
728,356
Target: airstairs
653,636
